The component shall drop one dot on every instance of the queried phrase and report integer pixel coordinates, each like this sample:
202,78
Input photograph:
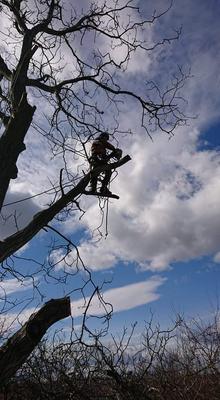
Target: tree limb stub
41,219
16,350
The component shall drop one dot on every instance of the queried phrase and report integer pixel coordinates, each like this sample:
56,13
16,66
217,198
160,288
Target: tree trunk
12,144
17,348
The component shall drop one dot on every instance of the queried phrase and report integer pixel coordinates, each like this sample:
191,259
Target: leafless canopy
74,58
62,74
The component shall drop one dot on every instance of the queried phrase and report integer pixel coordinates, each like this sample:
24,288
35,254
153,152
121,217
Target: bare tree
41,36
160,364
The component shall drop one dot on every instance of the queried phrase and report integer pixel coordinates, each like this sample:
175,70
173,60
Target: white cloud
10,286
168,208
16,214
217,258
169,194
14,320
122,298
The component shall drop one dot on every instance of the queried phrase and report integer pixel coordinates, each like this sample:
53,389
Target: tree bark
12,144
17,349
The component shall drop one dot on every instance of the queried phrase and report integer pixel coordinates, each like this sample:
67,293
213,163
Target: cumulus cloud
169,193
122,298
168,208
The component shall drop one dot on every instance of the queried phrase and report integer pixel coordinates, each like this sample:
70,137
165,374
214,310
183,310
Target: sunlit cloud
11,286
123,298
169,193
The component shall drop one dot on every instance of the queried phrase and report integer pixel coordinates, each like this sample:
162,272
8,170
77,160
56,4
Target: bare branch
4,70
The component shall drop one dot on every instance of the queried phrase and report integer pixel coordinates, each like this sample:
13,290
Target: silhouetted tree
69,58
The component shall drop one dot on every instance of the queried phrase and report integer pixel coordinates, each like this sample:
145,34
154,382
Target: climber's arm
109,146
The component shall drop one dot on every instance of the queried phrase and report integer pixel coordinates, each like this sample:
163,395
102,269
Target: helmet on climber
103,136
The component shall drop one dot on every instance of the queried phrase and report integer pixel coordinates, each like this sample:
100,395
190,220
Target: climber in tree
99,157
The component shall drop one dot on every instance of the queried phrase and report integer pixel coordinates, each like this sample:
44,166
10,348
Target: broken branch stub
18,347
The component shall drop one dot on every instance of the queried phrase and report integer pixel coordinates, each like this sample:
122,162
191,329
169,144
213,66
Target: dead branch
16,350
41,219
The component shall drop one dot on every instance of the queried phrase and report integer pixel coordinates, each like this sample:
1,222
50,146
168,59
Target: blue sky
162,252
